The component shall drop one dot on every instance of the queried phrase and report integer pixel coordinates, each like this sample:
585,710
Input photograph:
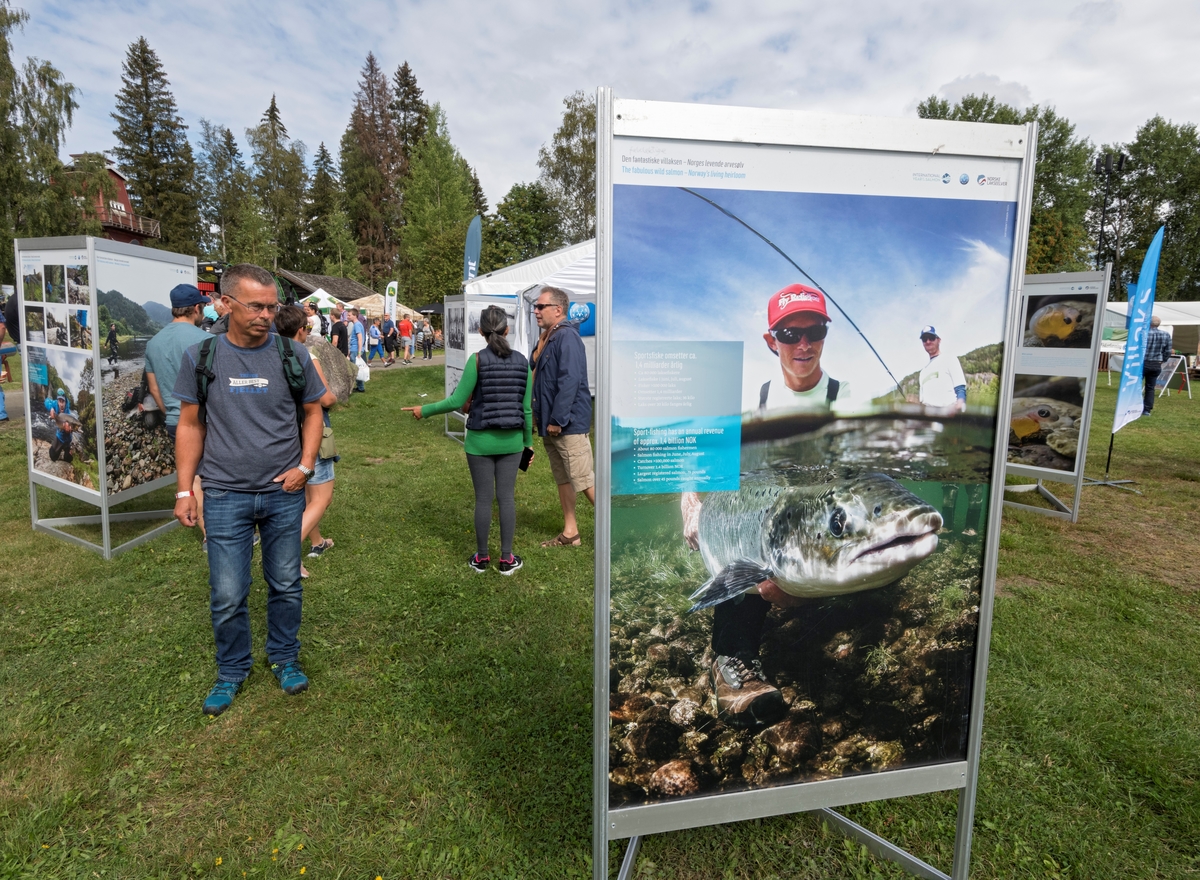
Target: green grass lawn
447,730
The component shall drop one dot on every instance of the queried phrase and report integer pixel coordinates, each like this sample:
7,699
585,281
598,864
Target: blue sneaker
221,697
291,677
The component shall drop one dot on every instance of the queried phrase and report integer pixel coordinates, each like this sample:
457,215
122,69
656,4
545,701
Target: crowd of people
247,405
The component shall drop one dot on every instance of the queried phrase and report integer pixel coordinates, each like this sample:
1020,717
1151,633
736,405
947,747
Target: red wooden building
116,214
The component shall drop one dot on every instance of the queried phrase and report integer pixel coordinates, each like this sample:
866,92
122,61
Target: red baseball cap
795,298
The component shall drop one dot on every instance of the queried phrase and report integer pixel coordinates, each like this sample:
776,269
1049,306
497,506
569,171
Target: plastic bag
364,372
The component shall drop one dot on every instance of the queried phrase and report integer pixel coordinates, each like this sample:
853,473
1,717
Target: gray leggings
494,476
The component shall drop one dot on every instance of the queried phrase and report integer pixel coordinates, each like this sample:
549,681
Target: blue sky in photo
684,271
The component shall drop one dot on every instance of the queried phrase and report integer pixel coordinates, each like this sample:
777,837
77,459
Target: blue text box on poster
676,417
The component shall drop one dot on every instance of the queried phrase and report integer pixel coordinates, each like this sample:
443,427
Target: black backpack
324,324
292,371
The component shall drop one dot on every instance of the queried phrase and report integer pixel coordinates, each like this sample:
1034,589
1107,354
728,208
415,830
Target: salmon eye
1044,412
1066,319
837,523
878,509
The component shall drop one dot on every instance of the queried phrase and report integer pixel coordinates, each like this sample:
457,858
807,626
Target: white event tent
572,269
1180,319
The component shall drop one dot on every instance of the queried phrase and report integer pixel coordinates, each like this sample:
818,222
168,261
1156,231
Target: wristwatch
307,471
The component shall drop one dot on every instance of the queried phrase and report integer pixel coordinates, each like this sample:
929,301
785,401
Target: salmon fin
740,576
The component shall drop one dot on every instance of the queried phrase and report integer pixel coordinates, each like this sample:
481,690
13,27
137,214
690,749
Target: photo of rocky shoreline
133,454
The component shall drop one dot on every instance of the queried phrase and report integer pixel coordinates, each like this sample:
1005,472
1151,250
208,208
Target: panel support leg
631,853
884,849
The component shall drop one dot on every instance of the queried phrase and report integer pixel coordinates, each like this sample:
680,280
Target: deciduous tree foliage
569,168
280,180
1058,231
153,151
38,196
1160,185
525,225
371,160
251,238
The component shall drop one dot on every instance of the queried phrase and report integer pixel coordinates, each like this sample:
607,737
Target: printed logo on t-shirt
248,384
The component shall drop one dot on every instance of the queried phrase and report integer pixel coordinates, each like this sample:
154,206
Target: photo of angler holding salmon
796,551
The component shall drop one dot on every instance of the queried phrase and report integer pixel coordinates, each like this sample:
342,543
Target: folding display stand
1046,362
59,282
664,140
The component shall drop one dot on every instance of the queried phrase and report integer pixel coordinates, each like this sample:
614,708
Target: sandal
561,540
317,550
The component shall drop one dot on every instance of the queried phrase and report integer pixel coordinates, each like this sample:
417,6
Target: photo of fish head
1044,421
79,291
812,613
31,284
56,283
62,415
1060,321
475,309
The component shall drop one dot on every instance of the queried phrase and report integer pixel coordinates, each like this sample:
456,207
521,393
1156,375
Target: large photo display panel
133,296
57,321
796,549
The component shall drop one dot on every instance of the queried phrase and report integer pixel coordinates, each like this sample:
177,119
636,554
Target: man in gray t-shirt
254,459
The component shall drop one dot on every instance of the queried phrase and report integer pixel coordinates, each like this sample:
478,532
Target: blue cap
929,330
184,295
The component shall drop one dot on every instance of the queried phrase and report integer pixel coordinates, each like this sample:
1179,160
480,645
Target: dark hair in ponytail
492,324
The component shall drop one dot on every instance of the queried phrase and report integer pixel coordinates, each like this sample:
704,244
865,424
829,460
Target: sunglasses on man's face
540,306
792,335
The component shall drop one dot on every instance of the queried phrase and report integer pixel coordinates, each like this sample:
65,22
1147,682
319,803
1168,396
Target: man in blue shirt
60,449
358,343
165,351
1158,350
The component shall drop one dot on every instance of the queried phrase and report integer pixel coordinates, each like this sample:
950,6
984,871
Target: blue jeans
229,518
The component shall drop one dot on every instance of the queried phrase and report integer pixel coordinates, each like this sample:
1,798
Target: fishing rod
779,250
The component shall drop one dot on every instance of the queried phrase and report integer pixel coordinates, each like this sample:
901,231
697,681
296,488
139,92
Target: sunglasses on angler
792,335
540,306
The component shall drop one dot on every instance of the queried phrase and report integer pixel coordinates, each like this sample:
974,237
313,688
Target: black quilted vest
499,397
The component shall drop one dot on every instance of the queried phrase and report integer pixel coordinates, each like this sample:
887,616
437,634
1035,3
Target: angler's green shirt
490,441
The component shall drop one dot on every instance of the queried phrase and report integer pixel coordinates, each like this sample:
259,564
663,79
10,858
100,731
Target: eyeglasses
540,306
792,335
256,307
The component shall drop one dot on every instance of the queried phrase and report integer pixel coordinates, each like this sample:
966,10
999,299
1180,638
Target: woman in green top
499,386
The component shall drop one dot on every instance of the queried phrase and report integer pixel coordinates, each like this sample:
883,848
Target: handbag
328,448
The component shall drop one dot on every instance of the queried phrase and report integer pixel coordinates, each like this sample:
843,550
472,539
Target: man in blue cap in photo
942,383
165,351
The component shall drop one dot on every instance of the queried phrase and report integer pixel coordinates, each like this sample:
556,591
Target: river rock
675,779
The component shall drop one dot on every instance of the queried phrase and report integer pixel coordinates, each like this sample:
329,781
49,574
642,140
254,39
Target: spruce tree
153,151
251,238
223,179
371,161
409,111
324,197
280,180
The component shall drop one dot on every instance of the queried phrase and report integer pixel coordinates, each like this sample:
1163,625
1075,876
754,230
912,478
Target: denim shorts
323,472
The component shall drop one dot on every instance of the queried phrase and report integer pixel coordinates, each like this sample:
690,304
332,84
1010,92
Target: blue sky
683,270
501,70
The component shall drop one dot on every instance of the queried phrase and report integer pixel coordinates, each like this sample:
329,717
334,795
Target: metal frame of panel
629,118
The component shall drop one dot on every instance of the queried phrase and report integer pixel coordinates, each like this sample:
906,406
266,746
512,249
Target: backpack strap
293,372
831,392
205,375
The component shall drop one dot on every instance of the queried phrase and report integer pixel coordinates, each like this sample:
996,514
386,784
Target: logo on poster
964,179
787,299
981,180
946,177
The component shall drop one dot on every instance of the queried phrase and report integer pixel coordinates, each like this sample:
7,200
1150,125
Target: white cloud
501,70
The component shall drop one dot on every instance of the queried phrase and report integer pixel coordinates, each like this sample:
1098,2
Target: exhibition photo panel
1044,420
781,516
62,415
133,296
